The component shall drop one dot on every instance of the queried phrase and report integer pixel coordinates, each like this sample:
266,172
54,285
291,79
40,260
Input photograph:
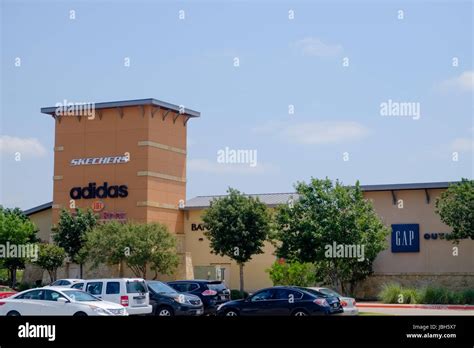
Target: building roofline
364,188
39,208
51,110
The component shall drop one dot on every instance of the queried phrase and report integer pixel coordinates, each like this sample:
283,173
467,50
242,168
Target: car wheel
80,314
300,313
164,312
231,313
13,314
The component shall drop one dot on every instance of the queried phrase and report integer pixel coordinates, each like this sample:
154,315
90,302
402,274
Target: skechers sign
100,160
405,238
104,191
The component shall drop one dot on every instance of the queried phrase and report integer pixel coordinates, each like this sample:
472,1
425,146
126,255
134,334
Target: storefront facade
127,162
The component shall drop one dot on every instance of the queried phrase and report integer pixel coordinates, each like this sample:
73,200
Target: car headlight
100,311
180,298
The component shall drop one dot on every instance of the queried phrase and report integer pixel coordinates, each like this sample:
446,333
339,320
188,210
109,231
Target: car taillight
124,301
321,302
209,293
2,303
343,303
354,303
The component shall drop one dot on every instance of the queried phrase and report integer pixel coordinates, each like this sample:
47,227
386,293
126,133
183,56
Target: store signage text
405,238
104,191
197,227
100,160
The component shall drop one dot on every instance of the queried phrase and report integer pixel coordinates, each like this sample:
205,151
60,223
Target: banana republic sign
197,227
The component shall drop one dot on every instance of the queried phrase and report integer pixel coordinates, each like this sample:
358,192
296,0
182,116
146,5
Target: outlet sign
405,238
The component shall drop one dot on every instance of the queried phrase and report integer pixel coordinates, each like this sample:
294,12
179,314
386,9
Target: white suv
132,293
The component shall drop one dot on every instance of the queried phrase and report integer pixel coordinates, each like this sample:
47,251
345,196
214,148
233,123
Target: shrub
292,273
390,293
436,295
468,296
411,295
237,295
25,286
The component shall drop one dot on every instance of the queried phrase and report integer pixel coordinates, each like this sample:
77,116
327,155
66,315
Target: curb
418,306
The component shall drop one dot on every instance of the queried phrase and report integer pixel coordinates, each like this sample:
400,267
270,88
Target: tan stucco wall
435,258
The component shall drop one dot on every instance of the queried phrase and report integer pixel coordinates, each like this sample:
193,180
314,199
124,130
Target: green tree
139,246
326,216
50,258
455,207
292,273
237,227
15,229
70,233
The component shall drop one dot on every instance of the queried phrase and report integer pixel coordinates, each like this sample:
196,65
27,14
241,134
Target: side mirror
63,300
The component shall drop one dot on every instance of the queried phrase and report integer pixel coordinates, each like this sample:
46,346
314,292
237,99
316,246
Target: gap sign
405,238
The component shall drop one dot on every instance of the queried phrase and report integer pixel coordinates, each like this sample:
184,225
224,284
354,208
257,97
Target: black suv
211,292
166,301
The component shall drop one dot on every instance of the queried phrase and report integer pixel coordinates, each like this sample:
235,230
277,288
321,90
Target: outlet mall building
128,162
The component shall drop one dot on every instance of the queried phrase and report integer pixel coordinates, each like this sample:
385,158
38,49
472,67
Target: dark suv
166,301
211,292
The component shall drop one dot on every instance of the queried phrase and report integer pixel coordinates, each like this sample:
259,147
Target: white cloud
213,167
25,146
463,82
316,132
311,46
463,145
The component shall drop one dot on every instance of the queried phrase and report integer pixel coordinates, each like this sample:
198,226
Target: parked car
211,292
166,301
131,293
282,301
58,301
5,291
66,282
348,303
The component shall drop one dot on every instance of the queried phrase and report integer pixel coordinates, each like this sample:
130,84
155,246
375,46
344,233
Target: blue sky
282,62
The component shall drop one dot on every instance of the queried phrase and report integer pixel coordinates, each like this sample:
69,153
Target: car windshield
161,288
329,292
80,296
136,286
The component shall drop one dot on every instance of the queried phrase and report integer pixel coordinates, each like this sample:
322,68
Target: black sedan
166,301
281,301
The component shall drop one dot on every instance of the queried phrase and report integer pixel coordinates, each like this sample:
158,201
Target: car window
94,288
180,287
217,286
52,295
262,295
136,286
78,286
112,288
191,287
57,283
32,295
287,294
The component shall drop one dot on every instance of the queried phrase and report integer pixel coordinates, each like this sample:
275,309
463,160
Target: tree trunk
120,269
13,273
80,270
241,269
